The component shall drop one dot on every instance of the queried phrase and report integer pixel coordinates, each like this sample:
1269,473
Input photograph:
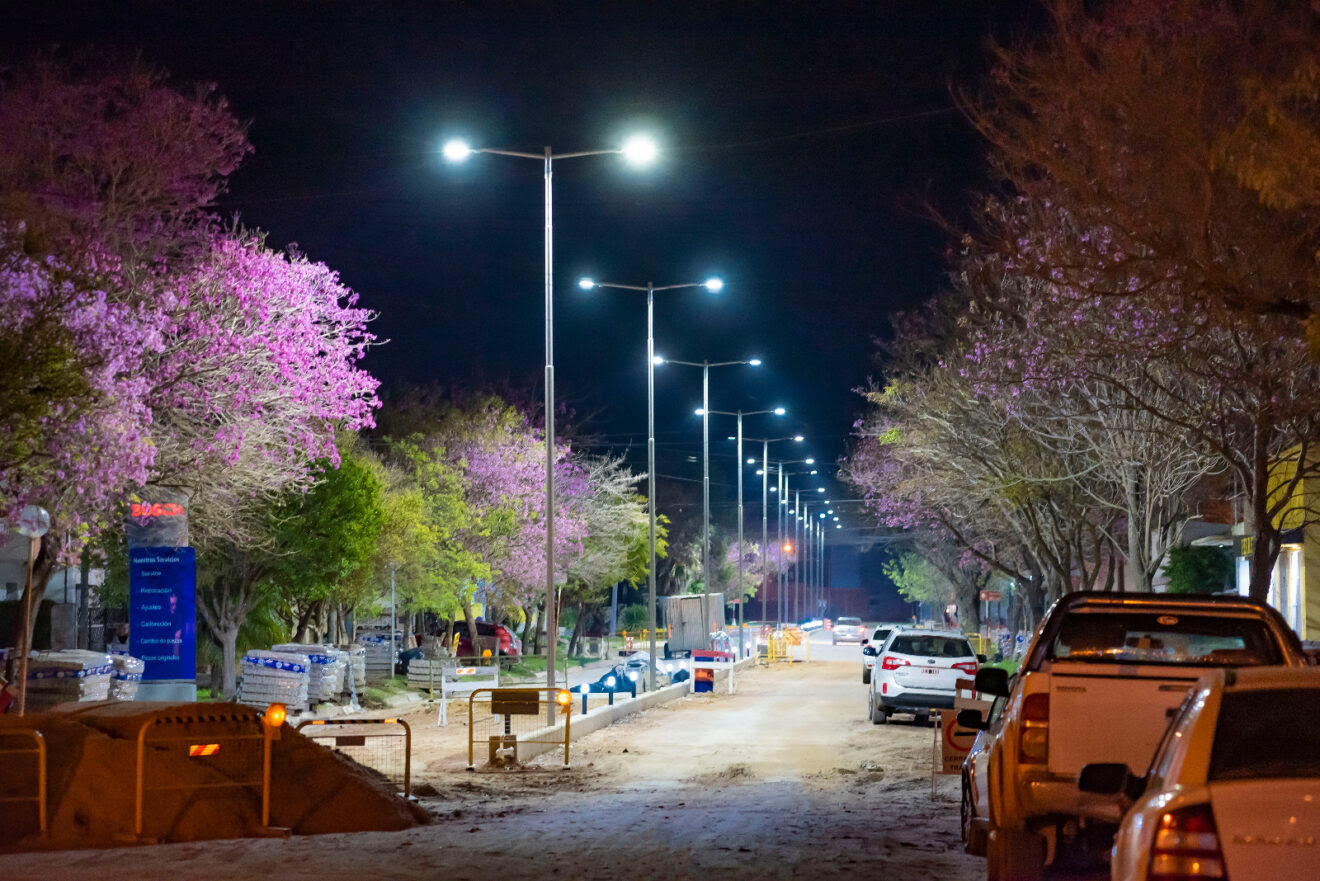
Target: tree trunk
471,622
573,647
228,652
1267,540
1138,543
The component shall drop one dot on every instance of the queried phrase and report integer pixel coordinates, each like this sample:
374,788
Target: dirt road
782,778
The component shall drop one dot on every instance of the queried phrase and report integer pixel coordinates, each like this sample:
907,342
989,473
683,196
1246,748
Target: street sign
957,740
991,596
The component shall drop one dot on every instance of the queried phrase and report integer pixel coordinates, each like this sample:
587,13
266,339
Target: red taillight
893,663
1186,846
1034,739
966,667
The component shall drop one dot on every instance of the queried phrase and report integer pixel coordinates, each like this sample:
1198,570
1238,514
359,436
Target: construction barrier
464,680
384,745
504,718
218,747
783,645
706,665
14,742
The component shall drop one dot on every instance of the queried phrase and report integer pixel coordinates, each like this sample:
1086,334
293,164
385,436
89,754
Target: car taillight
1186,846
1034,742
966,667
893,663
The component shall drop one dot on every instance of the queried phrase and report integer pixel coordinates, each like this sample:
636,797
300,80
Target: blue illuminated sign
162,611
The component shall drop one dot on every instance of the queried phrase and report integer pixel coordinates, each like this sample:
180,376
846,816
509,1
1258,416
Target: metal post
797,557
705,498
742,555
650,467
394,620
765,548
552,610
25,638
780,570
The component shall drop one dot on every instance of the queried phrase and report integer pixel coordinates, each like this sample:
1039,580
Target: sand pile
92,756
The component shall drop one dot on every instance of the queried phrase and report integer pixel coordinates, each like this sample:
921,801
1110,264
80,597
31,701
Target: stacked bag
128,674
355,676
325,673
275,677
69,675
426,673
380,655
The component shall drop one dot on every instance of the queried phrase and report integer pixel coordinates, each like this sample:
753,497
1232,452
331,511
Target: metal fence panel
383,745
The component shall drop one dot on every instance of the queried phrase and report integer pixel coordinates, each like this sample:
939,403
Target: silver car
917,671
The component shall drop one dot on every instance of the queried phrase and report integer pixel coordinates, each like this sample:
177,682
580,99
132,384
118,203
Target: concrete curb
602,717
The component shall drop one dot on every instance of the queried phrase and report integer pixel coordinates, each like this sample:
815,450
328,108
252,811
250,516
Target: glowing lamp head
752,462
799,438
699,412
657,360
780,411
714,285
821,489
788,547
586,283
640,150
456,150
755,362
809,461
610,681
562,698
275,715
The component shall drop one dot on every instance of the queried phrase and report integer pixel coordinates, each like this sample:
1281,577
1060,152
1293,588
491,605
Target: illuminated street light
456,150
714,285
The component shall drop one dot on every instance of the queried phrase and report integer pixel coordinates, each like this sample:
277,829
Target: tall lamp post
714,285
742,556
638,151
783,521
802,526
764,472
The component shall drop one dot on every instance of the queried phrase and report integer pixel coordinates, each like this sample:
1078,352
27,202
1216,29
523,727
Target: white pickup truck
1102,677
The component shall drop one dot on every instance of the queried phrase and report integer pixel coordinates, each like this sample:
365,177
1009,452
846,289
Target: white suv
871,648
919,670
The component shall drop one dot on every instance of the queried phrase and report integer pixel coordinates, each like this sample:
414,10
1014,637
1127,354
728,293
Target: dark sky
800,139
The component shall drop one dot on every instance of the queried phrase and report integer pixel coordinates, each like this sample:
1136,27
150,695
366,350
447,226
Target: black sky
801,141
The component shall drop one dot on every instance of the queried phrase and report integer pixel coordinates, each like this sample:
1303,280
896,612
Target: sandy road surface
782,778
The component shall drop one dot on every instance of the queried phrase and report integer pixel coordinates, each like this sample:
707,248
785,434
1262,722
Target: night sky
801,143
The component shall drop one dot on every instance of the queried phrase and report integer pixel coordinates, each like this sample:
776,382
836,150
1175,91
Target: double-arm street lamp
714,285
742,555
638,151
705,464
801,517
783,523
765,504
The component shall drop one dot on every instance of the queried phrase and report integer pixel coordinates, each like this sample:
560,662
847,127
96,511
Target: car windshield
1164,638
850,622
1276,716
931,646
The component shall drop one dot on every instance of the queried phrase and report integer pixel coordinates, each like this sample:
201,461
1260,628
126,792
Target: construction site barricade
705,667
225,744
504,719
384,745
23,756
464,680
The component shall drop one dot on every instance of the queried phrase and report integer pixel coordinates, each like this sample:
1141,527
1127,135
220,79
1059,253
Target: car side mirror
865,641
868,650
1104,778
980,659
992,681
972,719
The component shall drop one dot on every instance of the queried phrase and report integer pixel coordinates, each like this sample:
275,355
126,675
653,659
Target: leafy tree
1195,569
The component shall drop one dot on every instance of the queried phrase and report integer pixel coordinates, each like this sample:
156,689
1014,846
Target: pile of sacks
275,677
126,678
355,674
69,675
380,655
326,673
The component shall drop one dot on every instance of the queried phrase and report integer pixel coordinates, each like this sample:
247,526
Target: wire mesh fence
382,745
509,725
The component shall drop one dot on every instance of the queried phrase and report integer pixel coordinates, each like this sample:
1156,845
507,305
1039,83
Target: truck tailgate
1112,716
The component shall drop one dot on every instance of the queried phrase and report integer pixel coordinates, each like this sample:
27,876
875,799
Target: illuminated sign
157,509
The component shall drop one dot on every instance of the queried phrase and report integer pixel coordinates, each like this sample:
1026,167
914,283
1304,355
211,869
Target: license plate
930,670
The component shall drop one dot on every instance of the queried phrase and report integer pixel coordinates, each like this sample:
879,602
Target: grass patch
1009,664
535,665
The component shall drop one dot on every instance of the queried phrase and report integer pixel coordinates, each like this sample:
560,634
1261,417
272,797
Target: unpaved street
783,777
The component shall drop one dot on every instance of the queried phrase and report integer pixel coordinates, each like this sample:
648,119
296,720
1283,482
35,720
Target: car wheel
878,714
1014,855
965,811
866,676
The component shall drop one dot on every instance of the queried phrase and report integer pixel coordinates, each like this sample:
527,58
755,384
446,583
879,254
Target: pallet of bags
127,676
425,673
275,677
355,675
324,661
62,676
380,656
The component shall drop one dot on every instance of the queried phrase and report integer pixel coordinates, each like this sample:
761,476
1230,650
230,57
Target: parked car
918,670
1234,789
971,810
871,647
848,630
1098,683
496,637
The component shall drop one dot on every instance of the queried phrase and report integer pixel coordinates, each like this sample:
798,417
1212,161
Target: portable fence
505,719
19,747
459,681
383,745
195,752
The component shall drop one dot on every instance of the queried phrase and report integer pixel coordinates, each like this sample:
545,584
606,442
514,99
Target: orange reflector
203,749
275,715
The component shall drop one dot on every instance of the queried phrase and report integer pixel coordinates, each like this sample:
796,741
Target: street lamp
742,557
784,515
714,285
705,461
764,471
638,151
